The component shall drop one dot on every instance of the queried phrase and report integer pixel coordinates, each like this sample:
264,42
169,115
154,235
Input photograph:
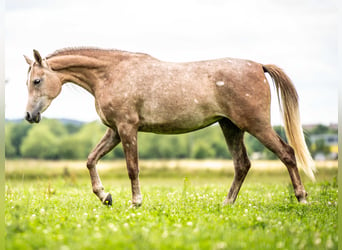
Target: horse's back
181,97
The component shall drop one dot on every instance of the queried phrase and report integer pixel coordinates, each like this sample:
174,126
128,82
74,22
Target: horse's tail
288,103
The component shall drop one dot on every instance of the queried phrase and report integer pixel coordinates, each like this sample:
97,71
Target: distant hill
63,120
70,121
13,120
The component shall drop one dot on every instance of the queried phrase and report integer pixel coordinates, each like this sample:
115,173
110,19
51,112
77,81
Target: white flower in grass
112,227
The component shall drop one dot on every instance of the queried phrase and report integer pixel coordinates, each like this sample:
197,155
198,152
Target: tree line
56,139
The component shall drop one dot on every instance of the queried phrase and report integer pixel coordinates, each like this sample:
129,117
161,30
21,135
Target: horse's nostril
28,116
37,118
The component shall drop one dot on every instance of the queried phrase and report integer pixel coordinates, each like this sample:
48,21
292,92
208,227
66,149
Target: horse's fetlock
98,190
137,200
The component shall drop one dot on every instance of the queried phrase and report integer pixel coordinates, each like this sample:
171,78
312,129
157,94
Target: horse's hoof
108,200
303,201
302,198
136,205
228,202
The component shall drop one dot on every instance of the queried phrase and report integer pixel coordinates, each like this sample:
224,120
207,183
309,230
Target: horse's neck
81,70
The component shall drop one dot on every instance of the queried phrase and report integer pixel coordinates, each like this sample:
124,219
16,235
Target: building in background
323,141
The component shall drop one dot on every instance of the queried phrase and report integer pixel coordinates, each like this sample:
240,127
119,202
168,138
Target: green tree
16,134
75,141
10,150
253,144
320,147
73,128
117,153
40,142
217,142
73,147
81,143
321,129
155,146
202,150
55,126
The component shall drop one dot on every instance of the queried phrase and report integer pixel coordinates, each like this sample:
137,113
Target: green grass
183,211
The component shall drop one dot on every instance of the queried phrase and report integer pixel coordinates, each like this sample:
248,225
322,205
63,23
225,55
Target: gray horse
136,92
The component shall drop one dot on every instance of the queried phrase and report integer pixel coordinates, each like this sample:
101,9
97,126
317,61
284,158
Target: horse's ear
28,60
37,57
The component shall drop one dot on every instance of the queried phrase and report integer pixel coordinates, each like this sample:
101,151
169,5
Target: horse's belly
176,126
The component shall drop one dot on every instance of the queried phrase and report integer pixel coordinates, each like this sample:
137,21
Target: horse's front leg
107,143
128,135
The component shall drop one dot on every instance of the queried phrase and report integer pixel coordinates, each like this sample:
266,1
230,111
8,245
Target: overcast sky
300,36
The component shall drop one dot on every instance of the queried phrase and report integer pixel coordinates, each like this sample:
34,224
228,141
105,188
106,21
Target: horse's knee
247,164
91,162
287,155
242,166
289,158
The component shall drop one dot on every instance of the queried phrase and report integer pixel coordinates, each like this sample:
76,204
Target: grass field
50,205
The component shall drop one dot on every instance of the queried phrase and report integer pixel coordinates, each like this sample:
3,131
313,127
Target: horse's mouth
33,118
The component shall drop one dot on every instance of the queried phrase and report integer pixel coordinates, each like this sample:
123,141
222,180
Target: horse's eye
36,81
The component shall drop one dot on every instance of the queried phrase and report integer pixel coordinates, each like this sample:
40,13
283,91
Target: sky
300,36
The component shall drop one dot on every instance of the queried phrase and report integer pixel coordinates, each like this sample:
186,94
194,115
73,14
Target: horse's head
43,86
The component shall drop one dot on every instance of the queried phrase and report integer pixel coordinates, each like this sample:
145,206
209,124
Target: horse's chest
105,109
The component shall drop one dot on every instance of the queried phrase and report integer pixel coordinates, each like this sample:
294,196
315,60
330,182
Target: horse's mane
85,51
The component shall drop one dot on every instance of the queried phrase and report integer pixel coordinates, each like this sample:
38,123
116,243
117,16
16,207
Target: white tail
288,102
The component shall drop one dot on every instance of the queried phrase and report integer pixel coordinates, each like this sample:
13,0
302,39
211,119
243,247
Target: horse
135,92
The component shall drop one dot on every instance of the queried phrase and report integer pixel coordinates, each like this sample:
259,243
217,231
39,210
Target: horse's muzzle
33,118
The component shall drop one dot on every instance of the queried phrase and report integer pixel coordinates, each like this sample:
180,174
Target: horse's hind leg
107,143
234,139
273,142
